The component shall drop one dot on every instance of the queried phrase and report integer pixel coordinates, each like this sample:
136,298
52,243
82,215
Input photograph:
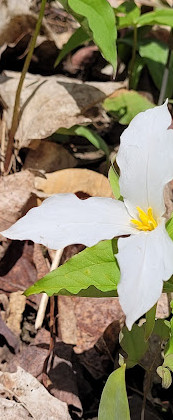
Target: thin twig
16,110
45,297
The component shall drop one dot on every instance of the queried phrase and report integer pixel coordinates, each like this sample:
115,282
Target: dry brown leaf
62,371
17,20
90,318
16,308
9,28
13,410
40,262
49,157
63,375
10,338
163,306
32,357
74,180
17,270
32,396
16,196
67,324
49,103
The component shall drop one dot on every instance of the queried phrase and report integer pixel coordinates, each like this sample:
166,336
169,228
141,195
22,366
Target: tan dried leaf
32,396
14,18
13,410
162,310
90,317
16,308
49,103
16,193
75,180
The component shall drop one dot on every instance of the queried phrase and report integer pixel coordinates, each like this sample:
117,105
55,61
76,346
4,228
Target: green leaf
89,134
169,346
81,19
114,402
95,268
131,14
101,21
126,105
78,38
150,321
154,54
168,361
165,374
169,226
136,72
168,286
134,344
161,329
158,17
114,182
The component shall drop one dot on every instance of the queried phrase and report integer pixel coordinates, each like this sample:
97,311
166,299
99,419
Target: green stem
131,67
147,387
16,110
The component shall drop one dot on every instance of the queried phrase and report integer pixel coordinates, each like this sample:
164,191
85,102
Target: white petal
64,219
145,159
145,260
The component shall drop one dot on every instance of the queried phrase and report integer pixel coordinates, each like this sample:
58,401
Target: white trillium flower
145,256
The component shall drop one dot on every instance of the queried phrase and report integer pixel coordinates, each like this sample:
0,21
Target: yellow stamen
146,220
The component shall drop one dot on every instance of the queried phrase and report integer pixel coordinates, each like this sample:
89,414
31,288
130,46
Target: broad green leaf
126,105
89,134
158,17
101,20
81,19
114,402
161,329
78,38
130,13
168,361
150,321
165,374
169,346
114,182
134,344
136,72
154,54
169,226
168,286
95,268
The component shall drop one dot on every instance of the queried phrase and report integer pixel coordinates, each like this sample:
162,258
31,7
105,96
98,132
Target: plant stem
166,72
133,56
16,110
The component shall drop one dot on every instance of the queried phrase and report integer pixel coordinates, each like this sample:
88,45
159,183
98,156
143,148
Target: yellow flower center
147,221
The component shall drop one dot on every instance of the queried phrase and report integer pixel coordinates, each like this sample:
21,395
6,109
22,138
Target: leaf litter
48,104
